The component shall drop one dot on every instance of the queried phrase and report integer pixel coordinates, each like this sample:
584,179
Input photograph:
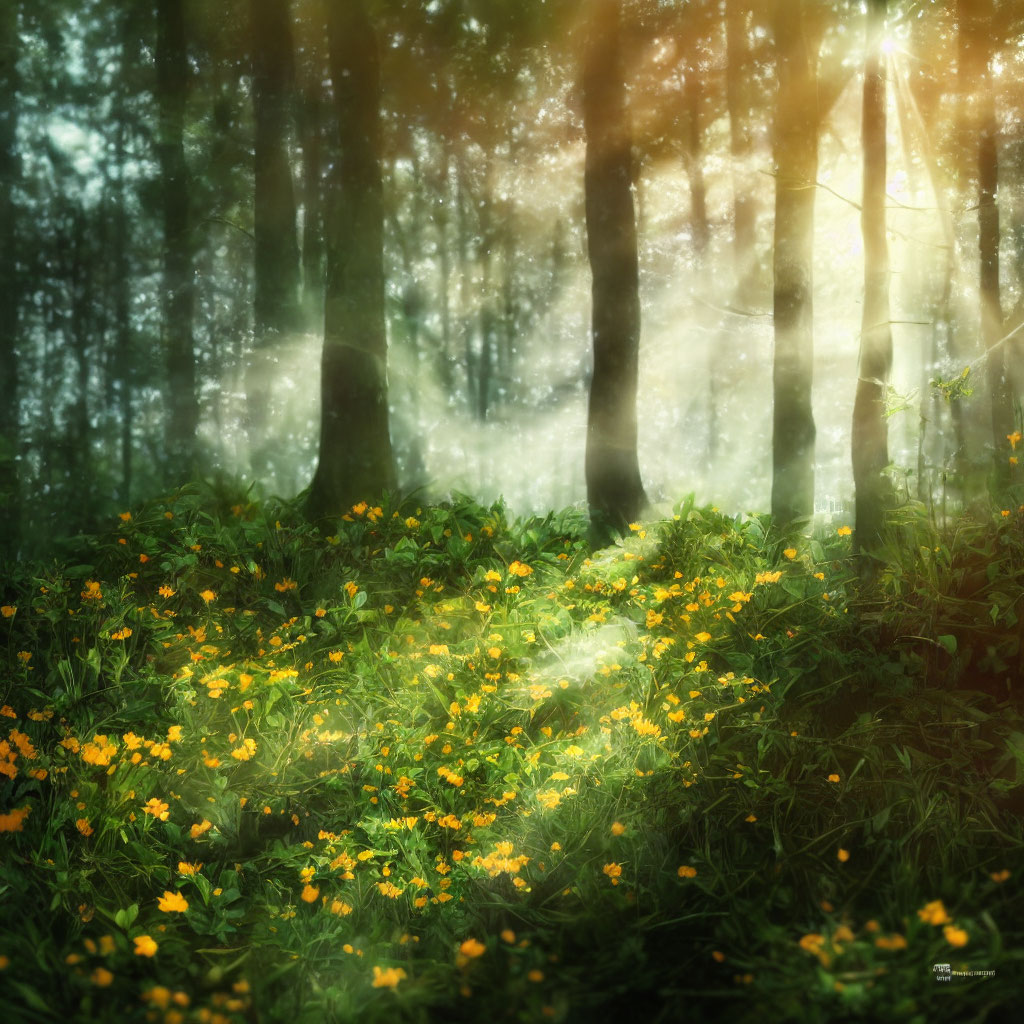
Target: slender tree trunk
178,273
975,32
10,166
509,300
739,97
614,490
276,253
693,160
915,108
276,265
356,459
123,346
485,313
693,131
796,158
873,491
463,200
312,216
443,219
81,281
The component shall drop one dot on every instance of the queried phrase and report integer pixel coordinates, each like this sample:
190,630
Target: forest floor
438,765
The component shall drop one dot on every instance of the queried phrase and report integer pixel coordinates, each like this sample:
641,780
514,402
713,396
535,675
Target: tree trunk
796,158
693,130
80,284
122,310
178,284
614,489
446,358
975,21
718,345
356,459
312,215
276,251
739,97
872,488
10,167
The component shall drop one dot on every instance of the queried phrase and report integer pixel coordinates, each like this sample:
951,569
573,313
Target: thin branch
231,224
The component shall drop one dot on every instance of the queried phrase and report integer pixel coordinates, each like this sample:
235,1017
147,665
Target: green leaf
31,997
124,917
948,641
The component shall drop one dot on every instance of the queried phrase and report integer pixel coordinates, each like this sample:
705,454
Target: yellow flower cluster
98,751
500,861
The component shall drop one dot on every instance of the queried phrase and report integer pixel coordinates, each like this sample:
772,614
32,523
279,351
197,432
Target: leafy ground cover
437,765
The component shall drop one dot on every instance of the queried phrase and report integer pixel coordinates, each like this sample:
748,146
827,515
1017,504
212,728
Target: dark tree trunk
312,215
485,317
446,357
276,265
178,283
276,251
796,158
9,280
718,350
870,441
356,459
975,18
739,97
123,346
463,249
693,129
81,283
614,489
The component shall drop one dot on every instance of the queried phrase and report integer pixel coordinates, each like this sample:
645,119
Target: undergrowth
437,764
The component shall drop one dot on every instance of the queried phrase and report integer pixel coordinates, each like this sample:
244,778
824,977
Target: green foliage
954,387
437,763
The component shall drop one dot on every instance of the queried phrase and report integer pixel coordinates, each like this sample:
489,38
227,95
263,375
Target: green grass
437,765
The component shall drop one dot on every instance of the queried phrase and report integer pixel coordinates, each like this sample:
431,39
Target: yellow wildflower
472,948
934,913
157,808
613,871
172,902
387,977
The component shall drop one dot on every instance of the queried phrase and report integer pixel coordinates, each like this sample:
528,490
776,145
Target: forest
510,510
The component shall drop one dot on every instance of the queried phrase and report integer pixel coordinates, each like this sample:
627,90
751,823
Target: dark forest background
386,244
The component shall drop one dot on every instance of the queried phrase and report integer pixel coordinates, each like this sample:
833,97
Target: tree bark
10,167
312,216
796,158
614,489
981,136
178,274
124,346
276,250
739,97
356,459
870,441
693,129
